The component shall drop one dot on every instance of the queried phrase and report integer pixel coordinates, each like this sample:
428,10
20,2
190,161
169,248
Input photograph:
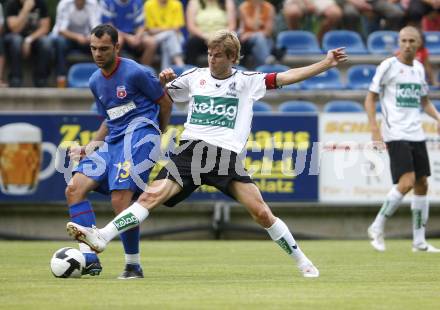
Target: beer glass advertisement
35,166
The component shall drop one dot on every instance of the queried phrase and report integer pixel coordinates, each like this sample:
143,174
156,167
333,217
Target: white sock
420,214
131,217
390,205
133,259
84,248
279,232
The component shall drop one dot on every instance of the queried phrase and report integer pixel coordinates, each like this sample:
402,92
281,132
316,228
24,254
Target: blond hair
228,41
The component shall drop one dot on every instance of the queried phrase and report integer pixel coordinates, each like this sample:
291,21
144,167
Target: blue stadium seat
297,106
261,106
79,74
272,68
436,103
378,107
351,40
298,42
432,41
360,76
341,106
180,69
330,79
383,42
239,67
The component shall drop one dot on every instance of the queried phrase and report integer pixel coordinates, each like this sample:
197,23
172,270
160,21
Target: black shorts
196,163
408,156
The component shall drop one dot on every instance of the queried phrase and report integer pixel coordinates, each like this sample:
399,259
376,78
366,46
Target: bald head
409,42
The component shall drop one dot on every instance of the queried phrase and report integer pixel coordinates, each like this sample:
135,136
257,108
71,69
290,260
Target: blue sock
130,240
82,213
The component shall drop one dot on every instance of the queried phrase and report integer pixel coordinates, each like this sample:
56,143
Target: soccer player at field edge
215,139
133,105
401,86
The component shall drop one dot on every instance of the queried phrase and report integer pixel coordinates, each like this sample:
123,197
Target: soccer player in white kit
401,86
217,127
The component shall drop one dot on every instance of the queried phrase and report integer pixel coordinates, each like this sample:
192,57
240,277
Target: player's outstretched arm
333,58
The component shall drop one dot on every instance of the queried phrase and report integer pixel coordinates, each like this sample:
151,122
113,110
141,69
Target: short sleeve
179,88
378,79
256,84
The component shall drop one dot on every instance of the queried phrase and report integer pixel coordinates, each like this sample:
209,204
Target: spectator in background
204,18
2,51
256,29
390,11
295,10
128,17
74,21
164,18
417,9
431,21
27,25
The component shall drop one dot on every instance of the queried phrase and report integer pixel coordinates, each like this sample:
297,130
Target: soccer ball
67,263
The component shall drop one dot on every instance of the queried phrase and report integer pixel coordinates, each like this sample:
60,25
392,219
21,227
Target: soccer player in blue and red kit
135,110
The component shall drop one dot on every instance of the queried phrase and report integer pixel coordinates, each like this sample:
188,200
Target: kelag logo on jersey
408,95
121,93
214,111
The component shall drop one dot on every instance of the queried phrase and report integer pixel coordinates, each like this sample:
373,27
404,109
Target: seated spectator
2,51
390,11
27,25
128,17
74,21
164,18
295,10
417,9
256,29
205,17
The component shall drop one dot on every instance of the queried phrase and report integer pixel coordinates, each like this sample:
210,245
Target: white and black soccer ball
67,263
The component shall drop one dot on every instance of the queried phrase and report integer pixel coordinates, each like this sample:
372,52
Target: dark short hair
103,29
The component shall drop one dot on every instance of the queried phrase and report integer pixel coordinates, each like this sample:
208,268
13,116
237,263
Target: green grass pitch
227,275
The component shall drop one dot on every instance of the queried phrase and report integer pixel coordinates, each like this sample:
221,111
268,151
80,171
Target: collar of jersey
225,77
118,62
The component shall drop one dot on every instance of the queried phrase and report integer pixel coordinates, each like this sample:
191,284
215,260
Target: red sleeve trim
271,80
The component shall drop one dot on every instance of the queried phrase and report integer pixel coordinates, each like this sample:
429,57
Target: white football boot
425,247
87,235
376,238
307,268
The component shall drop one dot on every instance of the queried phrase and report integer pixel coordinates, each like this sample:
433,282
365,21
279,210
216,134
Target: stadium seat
360,76
378,107
239,67
297,106
341,106
272,68
432,42
298,42
261,106
351,40
330,79
79,74
180,69
383,42
436,103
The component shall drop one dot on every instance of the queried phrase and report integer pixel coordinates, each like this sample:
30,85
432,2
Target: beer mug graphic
21,150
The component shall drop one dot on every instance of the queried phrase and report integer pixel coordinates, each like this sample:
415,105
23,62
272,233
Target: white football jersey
220,111
400,88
